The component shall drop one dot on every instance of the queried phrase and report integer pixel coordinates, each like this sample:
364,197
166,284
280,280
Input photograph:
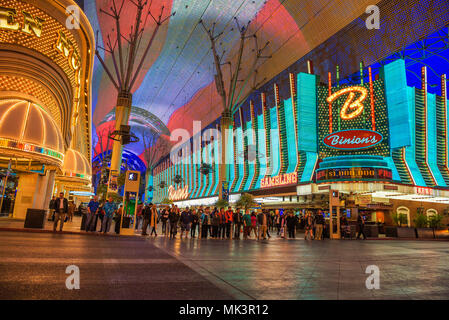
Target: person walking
205,222
215,224
308,226
238,222
222,224
247,224
71,211
186,220
319,222
118,219
195,220
139,214
290,222
51,206
61,208
173,217
262,221
109,208
164,219
253,224
229,215
146,216
361,225
92,210
153,220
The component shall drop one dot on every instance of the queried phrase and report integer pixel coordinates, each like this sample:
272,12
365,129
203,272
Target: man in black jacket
61,207
361,225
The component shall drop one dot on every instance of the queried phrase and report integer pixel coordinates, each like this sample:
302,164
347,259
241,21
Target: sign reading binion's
353,139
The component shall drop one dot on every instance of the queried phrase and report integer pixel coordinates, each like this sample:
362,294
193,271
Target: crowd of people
202,222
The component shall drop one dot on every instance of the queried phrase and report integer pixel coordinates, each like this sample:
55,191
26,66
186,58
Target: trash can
126,222
83,222
35,218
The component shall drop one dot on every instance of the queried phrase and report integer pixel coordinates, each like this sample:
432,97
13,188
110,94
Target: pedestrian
61,208
229,217
262,221
186,220
118,219
308,226
361,225
99,216
92,210
222,223
146,216
290,222
195,220
253,224
153,220
139,214
205,222
173,217
319,222
247,224
238,222
51,206
215,224
109,208
71,211
164,219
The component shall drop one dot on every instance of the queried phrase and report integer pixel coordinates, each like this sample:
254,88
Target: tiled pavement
271,269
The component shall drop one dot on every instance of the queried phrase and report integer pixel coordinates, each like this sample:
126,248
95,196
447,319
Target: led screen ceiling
176,84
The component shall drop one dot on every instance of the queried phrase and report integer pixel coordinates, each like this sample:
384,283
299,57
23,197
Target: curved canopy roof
76,165
26,126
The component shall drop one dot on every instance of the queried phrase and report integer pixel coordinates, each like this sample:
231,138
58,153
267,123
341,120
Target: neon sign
354,173
353,139
350,104
178,194
281,180
11,144
31,25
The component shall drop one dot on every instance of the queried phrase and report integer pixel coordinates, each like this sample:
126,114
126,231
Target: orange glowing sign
356,106
281,180
178,194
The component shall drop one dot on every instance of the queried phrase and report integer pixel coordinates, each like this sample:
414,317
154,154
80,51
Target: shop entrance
8,191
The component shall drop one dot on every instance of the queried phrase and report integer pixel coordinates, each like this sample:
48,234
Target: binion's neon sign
355,106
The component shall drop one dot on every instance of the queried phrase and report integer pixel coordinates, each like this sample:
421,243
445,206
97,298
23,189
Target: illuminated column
122,112
225,124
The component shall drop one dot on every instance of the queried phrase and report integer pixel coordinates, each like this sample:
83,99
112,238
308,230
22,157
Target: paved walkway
317,269
33,266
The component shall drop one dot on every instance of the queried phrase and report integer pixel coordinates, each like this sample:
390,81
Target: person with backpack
291,222
229,215
222,223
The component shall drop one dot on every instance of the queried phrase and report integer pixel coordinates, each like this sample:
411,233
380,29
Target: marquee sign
281,180
353,139
178,194
354,174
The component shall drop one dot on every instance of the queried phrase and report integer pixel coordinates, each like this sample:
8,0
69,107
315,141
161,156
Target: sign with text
353,139
281,180
354,174
178,194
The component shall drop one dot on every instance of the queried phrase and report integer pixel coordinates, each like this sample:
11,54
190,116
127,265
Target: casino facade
45,109
378,138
